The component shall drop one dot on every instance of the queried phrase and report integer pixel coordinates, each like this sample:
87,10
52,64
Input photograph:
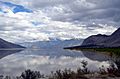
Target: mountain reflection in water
4,53
47,60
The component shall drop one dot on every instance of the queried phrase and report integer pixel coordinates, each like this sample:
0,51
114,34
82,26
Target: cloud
62,19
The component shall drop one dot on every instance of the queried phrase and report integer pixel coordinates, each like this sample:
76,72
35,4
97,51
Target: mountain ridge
5,44
99,40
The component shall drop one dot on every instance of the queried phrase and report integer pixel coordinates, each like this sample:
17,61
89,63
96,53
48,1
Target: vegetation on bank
111,51
84,73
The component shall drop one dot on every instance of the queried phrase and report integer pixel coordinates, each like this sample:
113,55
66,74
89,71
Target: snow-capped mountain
53,43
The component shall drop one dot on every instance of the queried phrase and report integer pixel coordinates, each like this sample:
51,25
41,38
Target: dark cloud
86,10
77,10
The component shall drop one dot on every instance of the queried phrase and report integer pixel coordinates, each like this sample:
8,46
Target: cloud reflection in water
46,62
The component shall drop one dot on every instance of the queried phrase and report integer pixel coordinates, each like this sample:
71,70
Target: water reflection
96,56
47,60
4,53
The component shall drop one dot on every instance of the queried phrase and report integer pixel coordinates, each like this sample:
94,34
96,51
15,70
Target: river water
13,62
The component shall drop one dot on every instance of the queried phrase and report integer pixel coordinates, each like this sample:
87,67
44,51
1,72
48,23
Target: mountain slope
95,40
99,40
5,44
114,39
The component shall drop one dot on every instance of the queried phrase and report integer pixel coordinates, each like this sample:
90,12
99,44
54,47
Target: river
13,62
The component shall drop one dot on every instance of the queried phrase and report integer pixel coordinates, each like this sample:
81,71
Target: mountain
99,40
53,43
5,44
95,40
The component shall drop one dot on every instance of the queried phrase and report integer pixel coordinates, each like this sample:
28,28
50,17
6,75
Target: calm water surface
47,60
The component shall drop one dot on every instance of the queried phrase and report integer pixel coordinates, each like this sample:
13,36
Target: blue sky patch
2,11
36,23
9,4
21,9
18,8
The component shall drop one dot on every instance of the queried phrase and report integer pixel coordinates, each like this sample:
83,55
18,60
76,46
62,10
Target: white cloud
56,20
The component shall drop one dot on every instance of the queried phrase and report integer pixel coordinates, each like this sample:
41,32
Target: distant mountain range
5,44
100,40
53,43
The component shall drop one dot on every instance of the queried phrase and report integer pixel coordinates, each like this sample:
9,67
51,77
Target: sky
43,20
